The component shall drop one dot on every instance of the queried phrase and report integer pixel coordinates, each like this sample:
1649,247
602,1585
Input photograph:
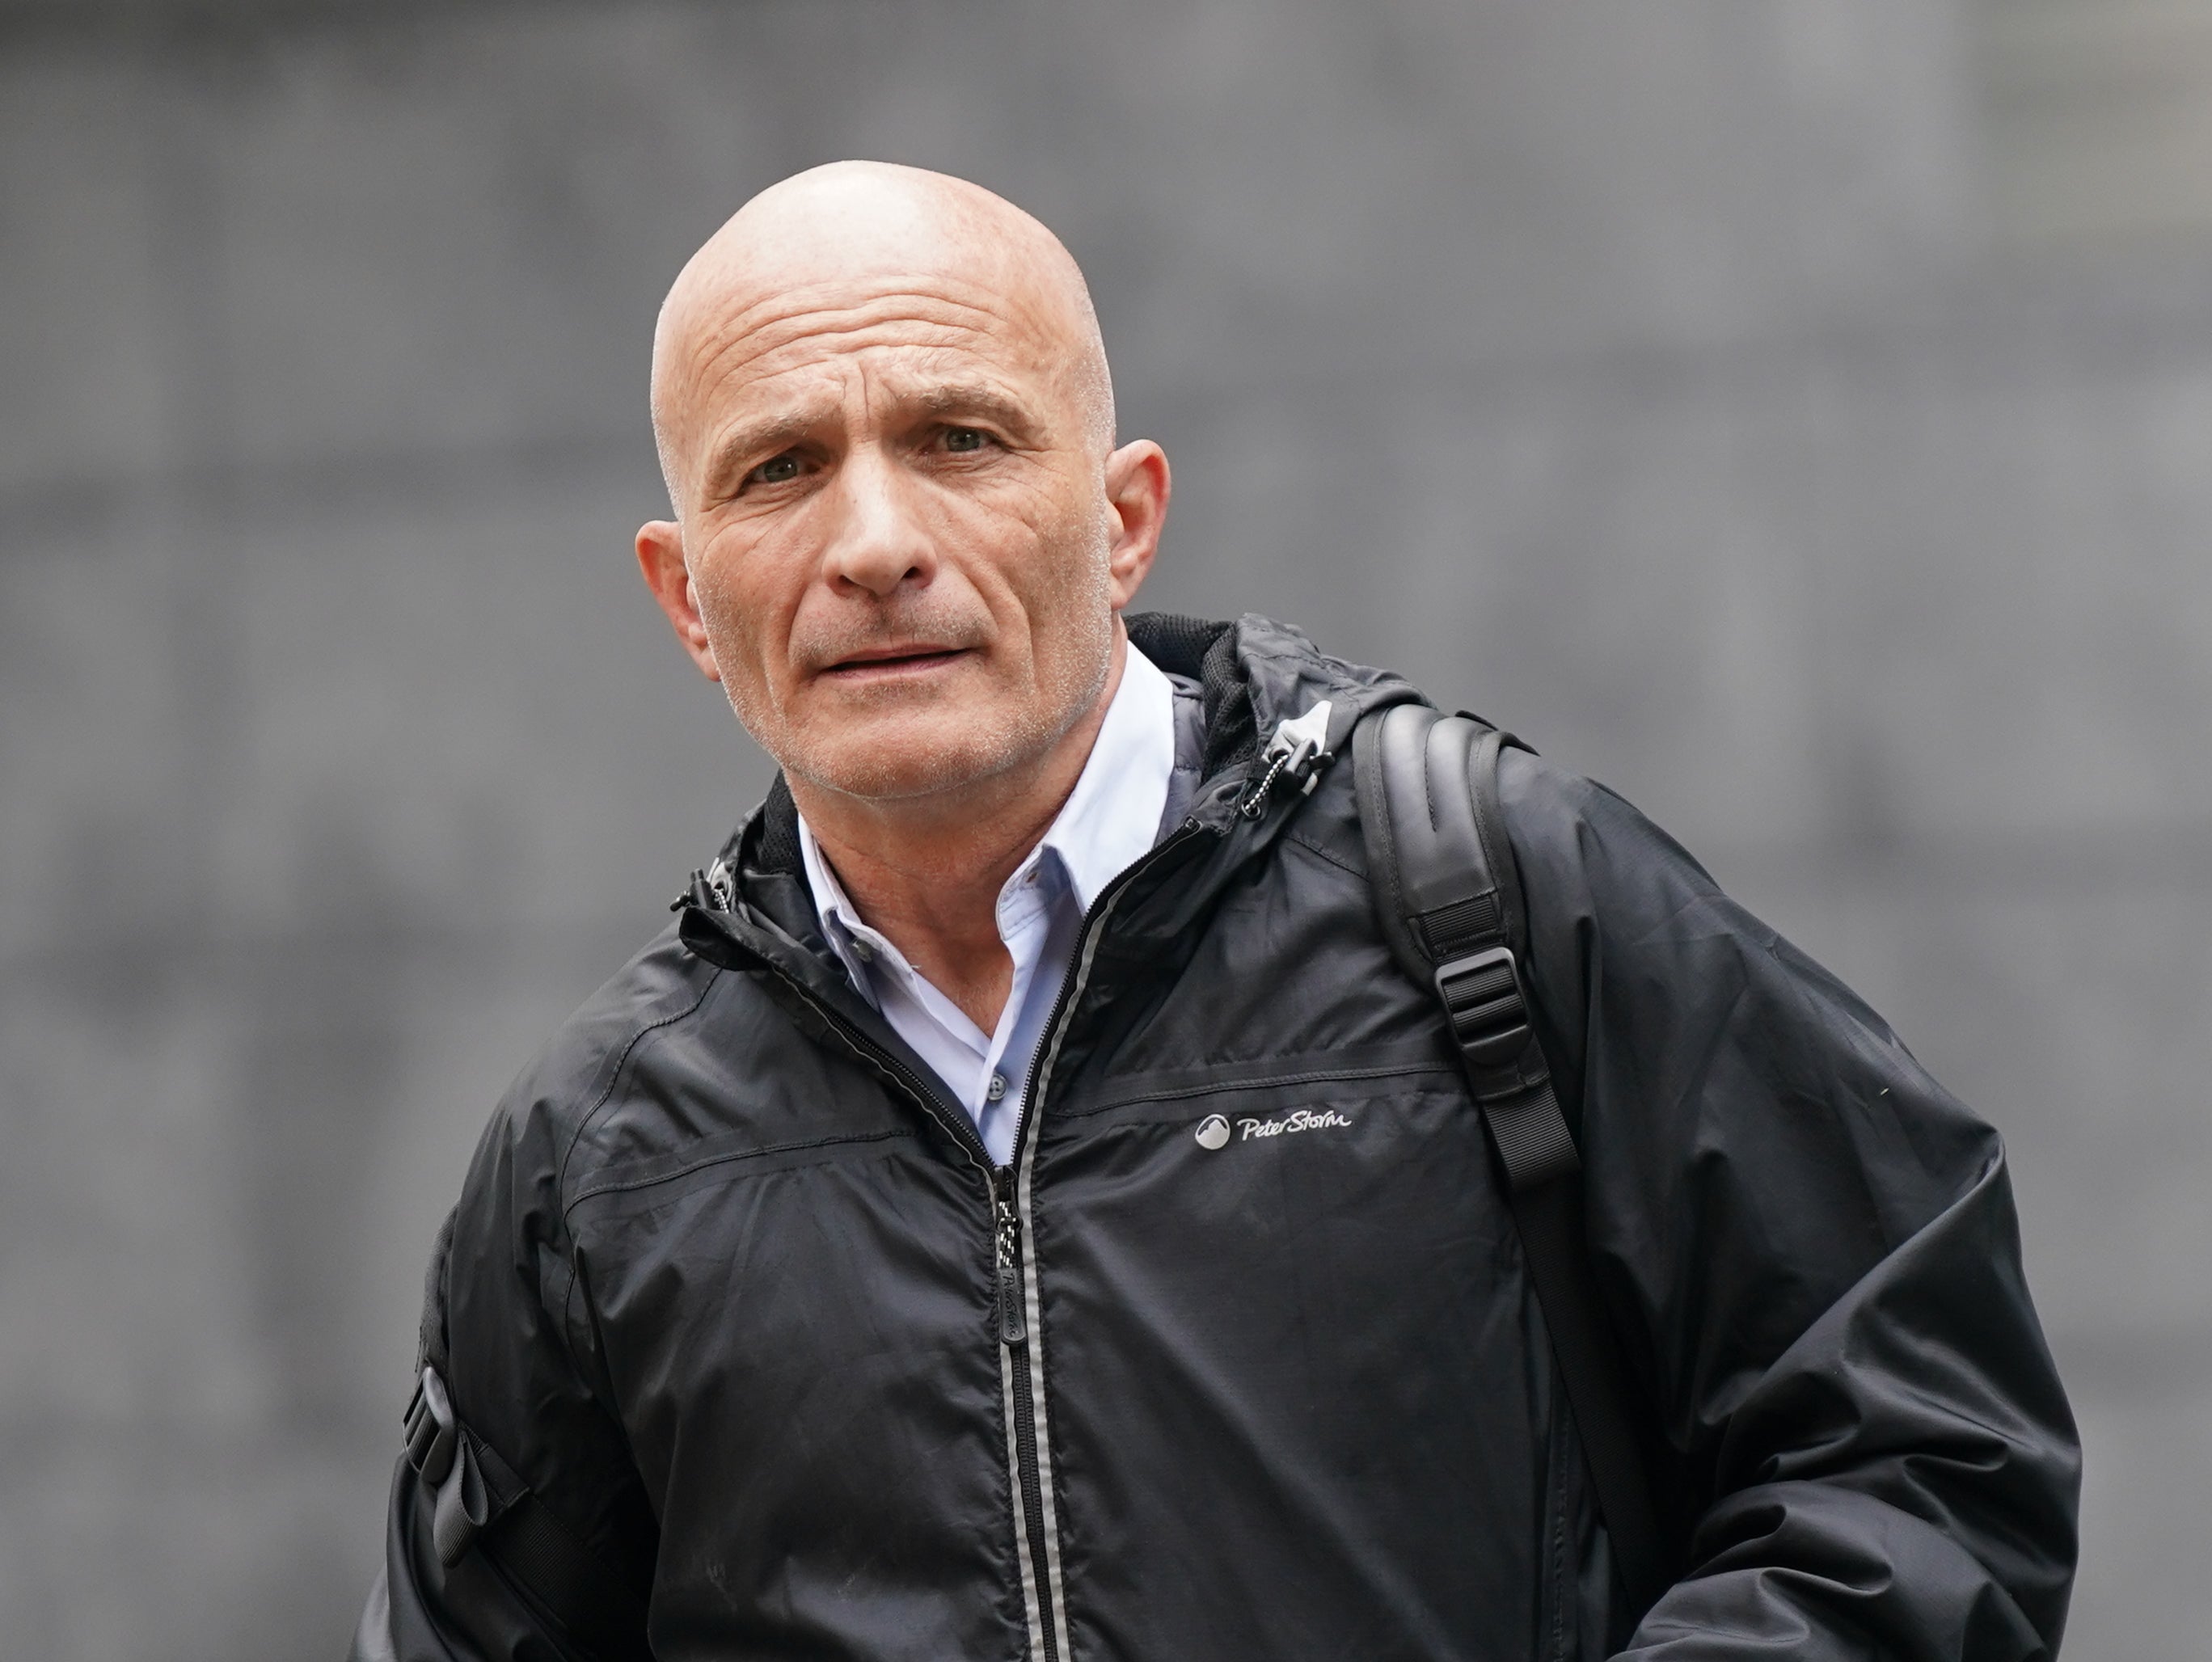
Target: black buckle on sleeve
461,1505
432,1433
1489,1016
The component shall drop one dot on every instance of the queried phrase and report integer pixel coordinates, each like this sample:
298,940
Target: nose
880,541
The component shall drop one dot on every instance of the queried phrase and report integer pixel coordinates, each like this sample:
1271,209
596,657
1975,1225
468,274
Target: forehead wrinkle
791,303
796,349
747,338
787,283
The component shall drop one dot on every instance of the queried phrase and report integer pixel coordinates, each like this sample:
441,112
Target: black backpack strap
1448,894
481,1502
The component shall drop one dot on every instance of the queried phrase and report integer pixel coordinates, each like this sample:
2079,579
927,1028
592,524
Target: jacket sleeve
523,1377
1810,1251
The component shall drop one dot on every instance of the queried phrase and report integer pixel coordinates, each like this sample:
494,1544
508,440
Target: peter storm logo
1213,1131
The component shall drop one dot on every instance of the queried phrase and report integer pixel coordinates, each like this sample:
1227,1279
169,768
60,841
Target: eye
776,470
963,441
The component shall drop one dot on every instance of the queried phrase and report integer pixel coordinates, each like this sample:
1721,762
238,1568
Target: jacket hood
1254,674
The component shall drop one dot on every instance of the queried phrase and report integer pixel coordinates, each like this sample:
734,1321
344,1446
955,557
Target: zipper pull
1013,1317
1295,750
711,891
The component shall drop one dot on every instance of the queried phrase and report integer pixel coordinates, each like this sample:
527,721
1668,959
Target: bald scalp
849,220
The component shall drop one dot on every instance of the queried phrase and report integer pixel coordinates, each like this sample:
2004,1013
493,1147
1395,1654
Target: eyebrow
978,398
770,436
774,434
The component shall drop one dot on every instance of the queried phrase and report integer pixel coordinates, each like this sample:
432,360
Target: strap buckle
460,1505
432,1433
1489,1014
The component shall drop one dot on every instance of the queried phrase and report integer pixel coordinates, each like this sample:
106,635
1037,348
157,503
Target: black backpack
1448,897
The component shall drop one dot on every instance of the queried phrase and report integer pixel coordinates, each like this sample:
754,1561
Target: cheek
740,602
1051,553
1067,595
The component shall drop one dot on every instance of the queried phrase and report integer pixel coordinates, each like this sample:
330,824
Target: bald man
1051,1192
904,537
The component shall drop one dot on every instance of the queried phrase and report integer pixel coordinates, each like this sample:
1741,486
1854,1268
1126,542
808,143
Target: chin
915,754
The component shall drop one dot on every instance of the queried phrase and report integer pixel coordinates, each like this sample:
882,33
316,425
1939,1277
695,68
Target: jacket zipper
1014,1279
1033,1527
1029,1425
1009,1311
1300,757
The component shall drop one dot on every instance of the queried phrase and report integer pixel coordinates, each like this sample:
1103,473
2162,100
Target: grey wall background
1795,412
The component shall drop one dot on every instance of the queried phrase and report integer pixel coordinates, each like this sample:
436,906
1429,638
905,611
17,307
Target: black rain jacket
726,1279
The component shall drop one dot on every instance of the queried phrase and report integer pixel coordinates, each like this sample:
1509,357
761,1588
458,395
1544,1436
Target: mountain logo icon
1212,1131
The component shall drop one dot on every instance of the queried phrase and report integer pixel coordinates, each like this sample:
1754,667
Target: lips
894,660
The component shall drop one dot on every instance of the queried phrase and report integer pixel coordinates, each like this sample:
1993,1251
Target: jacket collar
1253,675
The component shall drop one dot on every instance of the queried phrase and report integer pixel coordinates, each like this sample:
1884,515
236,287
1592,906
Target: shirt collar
1112,817
1108,821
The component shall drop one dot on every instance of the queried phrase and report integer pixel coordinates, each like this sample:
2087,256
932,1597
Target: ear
1137,486
660,557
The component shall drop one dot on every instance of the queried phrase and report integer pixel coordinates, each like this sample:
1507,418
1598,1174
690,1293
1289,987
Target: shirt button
997,1088
863,952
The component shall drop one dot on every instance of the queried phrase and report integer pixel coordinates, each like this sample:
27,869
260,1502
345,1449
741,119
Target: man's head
903,533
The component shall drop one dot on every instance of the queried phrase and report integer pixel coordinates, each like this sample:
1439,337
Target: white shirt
1109,819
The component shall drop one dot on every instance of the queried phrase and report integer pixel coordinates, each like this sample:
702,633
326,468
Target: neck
926,871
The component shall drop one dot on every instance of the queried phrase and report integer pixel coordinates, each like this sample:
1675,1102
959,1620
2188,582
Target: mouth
890,663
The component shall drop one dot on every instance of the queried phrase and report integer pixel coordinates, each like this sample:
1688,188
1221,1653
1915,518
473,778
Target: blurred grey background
1796,413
